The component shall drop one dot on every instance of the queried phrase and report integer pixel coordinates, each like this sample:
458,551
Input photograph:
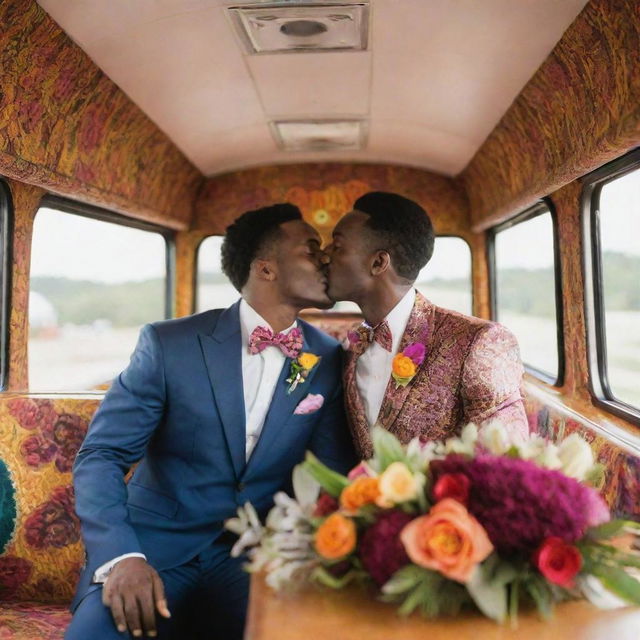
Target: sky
82,248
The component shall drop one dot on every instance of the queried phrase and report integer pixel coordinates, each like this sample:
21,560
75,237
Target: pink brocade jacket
472,372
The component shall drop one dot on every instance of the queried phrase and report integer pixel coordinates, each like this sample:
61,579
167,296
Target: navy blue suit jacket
178,408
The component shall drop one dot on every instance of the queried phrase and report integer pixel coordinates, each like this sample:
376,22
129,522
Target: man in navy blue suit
217,408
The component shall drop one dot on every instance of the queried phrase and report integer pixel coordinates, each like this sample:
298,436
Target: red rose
558,561
452,485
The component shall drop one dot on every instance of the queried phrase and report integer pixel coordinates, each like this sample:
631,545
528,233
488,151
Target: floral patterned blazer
472,372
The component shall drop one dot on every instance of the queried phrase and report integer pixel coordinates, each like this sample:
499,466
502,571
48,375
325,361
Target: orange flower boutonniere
405,365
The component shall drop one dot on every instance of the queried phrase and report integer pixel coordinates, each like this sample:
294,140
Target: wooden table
316,614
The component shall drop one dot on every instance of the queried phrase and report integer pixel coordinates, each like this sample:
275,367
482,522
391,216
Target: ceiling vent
319,135
303,27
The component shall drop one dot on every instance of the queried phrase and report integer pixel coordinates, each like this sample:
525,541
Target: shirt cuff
102,573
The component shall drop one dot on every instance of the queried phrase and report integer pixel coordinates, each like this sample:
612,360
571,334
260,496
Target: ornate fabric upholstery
33,621
40,547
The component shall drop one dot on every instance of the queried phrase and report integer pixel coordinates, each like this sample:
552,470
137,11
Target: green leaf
595,476
402,580
540,593
322,576
387,448
332,482
612,528
488,587
619,582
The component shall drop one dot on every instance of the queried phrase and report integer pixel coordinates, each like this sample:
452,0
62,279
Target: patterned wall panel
324,192
580,110
66,127
25,200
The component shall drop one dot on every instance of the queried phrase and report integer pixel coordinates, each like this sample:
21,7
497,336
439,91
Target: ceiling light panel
319,135
296,28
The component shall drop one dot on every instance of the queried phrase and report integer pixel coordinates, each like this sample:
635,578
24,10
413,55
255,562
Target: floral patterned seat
33,621
40,547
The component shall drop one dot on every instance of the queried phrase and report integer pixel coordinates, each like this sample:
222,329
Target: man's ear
264,269
381,262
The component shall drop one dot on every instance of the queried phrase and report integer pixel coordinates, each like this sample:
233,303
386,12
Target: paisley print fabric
471,373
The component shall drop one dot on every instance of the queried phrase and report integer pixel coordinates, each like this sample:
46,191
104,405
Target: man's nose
324,257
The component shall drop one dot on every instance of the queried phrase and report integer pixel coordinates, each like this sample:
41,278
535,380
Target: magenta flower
381,551
521,504
415,352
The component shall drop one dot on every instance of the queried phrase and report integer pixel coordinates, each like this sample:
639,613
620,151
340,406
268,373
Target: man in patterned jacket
412,367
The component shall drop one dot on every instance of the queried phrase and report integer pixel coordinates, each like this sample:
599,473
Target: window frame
541,207
196,272
594,310
472,265
104,215
6,262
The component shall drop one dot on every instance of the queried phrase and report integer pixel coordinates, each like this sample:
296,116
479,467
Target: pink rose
361,469
448,539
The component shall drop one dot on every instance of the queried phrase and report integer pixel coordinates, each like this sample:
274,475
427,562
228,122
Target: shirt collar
398,317
250,319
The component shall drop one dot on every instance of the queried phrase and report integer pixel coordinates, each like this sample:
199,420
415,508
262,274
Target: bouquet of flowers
481,520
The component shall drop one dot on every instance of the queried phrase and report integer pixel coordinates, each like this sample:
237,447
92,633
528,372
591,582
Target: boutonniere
405,364
300,368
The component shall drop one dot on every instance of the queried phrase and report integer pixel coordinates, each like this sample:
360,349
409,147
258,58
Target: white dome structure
42,314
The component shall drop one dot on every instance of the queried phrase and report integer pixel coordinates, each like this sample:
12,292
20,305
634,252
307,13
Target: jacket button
240,486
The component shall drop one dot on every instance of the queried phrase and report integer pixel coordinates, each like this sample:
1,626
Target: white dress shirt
373,367
260,373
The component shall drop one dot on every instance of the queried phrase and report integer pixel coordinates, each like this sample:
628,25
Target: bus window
214,291
446,279
525,288
93,285
616,216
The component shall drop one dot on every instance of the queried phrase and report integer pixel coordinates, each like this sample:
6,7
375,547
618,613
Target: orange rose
335,537
363,490
448,539
403,367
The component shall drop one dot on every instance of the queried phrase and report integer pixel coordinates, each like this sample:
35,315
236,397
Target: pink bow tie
289,343
364,335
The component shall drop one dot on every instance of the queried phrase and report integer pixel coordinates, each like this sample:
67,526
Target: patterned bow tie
289,343
364,335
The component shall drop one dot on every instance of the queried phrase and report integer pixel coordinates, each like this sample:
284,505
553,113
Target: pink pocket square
311,403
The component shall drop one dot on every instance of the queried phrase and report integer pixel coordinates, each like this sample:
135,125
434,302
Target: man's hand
133,591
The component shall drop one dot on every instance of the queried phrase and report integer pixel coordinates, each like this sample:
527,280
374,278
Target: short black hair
403,229
249,234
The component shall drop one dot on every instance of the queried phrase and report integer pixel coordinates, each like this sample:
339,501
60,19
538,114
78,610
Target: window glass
93,285
525,291
446,279
620,260
214,289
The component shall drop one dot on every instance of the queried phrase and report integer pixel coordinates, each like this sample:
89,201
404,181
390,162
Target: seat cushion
33,621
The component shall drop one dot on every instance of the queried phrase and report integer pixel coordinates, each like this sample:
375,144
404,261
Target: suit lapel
223,358
355,409
418,329
281,409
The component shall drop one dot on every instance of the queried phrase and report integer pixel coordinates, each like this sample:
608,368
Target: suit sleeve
491,380
331,441
117,438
